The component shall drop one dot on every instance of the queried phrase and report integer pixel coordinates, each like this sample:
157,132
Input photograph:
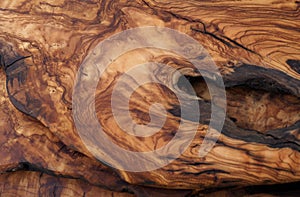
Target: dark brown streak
294,64
235,132
224,41
207,172
278,81
240,45
187,19
15,61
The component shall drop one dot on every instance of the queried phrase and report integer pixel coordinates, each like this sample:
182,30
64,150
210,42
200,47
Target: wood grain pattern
25,183
26,144
29,147
254,44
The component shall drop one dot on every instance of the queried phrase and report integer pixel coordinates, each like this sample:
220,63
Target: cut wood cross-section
254,44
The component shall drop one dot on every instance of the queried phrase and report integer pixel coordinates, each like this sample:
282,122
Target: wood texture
26,144
254,44
25,183
49,166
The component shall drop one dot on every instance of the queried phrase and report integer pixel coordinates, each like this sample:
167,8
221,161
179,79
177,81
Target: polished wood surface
255,45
